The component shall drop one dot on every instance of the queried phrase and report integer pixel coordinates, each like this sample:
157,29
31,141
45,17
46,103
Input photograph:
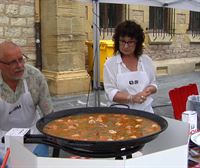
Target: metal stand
96,53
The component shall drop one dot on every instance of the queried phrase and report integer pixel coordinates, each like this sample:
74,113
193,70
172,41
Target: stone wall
179,48
63,37
17,24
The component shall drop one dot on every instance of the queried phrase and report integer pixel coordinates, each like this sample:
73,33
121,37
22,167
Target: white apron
134,82
21,114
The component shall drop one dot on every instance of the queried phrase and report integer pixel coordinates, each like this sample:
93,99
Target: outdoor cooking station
169,149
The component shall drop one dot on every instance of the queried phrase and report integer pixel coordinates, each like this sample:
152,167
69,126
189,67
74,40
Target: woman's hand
139,98
125,97
142,96
149,90
122,97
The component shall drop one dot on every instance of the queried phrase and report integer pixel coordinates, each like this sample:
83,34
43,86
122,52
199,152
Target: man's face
12,64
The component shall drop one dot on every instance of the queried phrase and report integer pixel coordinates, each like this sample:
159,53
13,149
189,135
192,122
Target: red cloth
178,97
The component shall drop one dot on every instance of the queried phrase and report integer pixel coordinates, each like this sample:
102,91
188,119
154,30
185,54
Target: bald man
23,88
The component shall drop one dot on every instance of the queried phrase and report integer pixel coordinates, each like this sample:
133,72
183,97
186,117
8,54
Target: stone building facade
66,25
171,55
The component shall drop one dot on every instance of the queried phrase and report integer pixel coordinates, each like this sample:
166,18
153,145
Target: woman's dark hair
132,30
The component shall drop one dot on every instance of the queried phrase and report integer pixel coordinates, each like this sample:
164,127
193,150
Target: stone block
18,21
31,56
180,18
26,11
67,82
28,31
180,68
197,66
137,15
12,10
30,1
64,2
31,41
2,6
1,32
30,21
12,32
77,25
64,25
20,42
177,66
162,70
64,12
4,20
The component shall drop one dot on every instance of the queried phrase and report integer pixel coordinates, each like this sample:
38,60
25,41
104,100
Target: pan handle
118,104
43,139
31,138
38,139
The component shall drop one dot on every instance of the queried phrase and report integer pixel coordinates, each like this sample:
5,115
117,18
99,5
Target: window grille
194,23
161,21
110,16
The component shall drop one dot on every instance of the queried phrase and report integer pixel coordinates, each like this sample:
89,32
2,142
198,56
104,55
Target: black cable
162,105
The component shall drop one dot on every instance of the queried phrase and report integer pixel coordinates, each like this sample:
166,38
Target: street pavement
161,105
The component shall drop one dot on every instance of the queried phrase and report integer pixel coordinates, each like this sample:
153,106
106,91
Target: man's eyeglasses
14,63
129,43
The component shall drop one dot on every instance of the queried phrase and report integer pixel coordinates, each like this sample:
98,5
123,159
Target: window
110,16
162,20
194,23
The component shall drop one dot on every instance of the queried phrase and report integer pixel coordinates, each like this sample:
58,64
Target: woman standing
129,76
